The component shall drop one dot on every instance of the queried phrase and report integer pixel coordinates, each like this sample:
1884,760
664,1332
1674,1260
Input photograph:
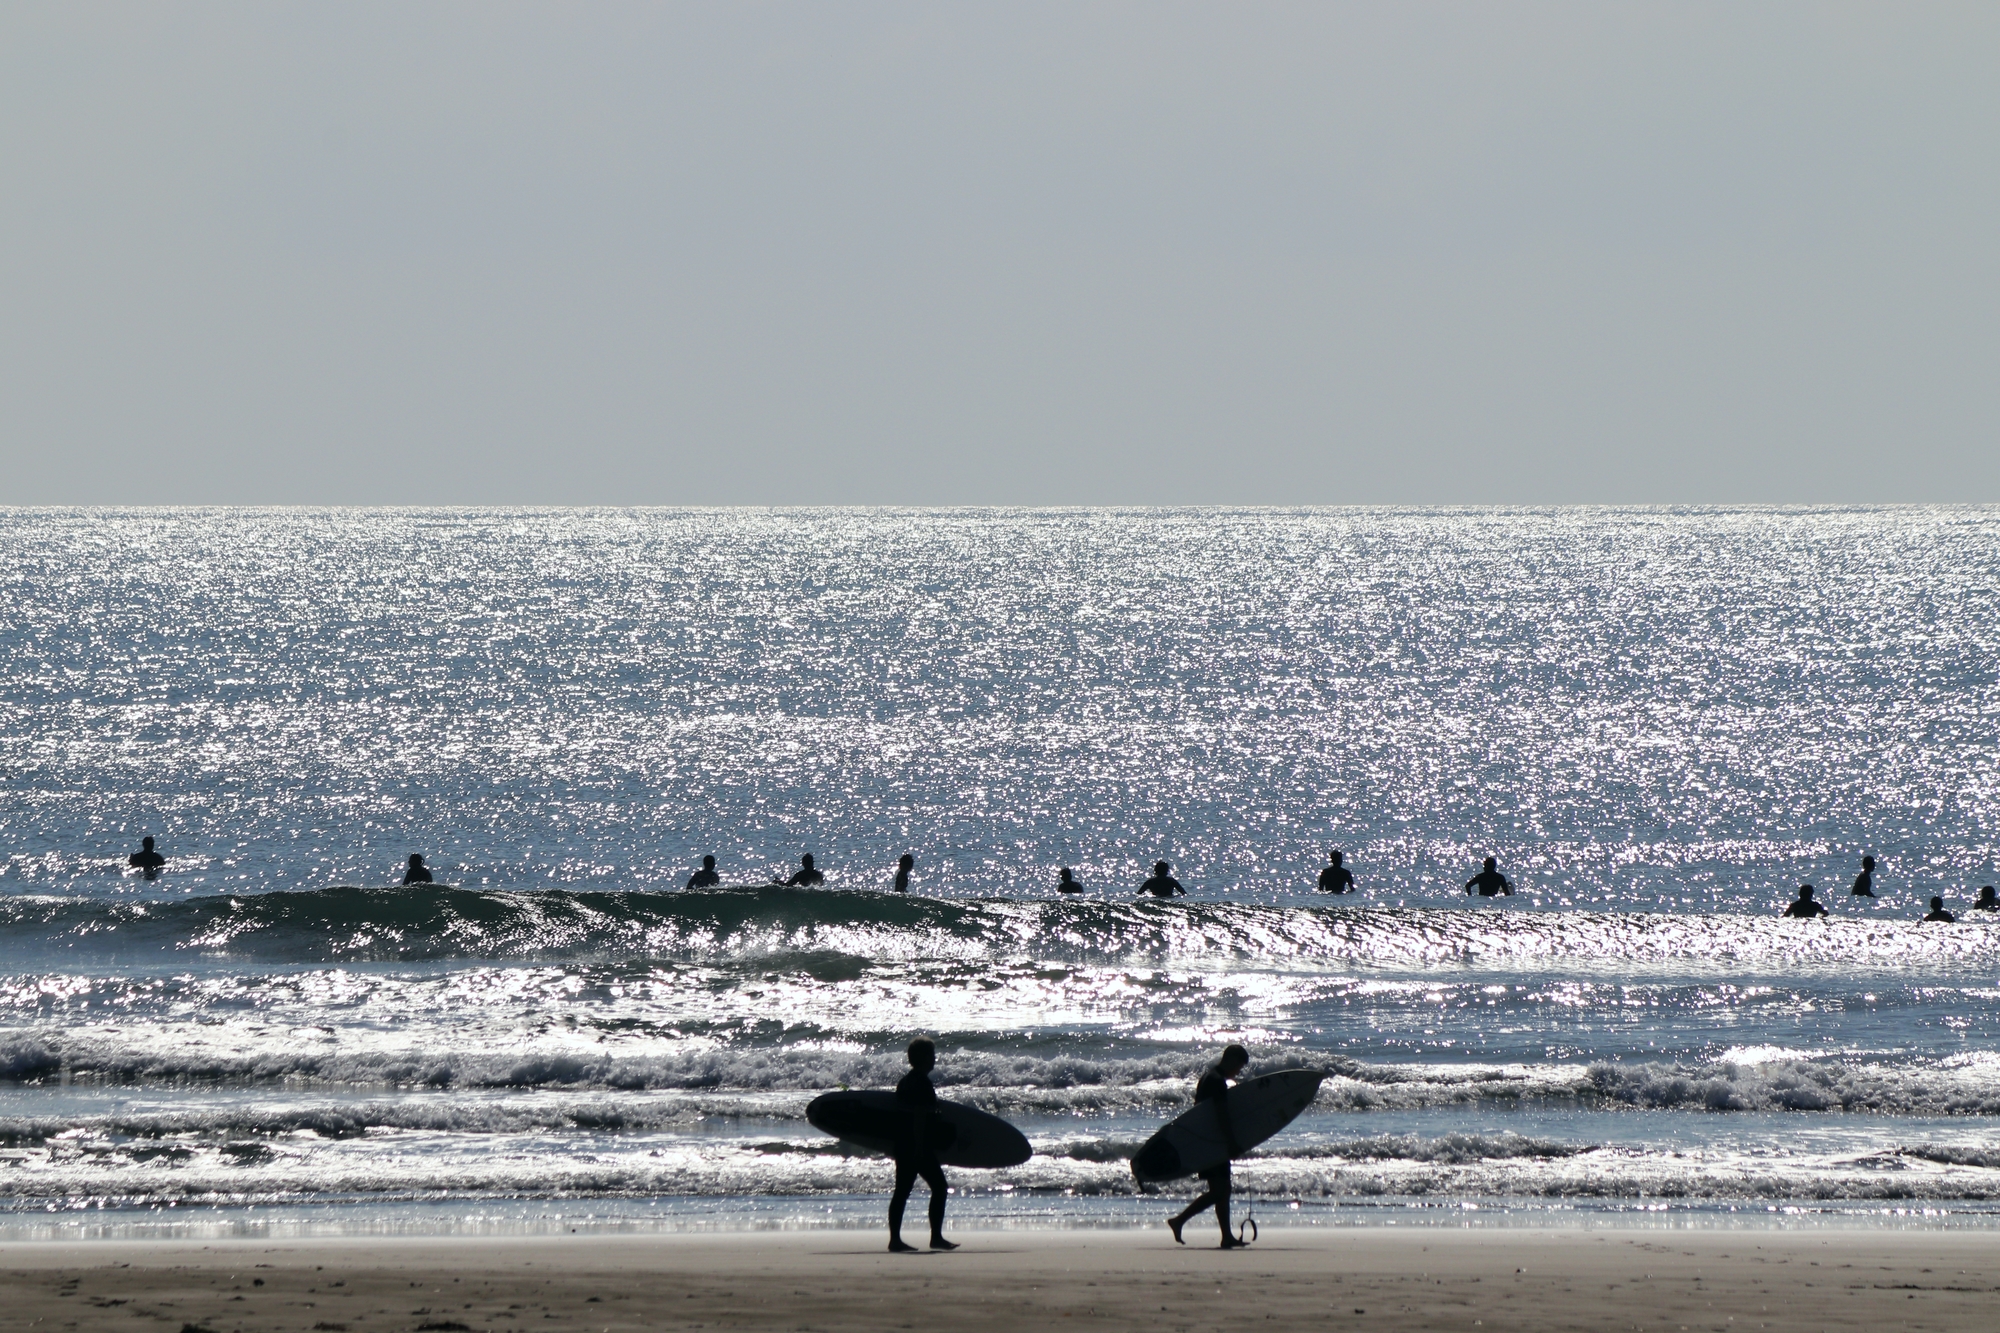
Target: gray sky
1003,253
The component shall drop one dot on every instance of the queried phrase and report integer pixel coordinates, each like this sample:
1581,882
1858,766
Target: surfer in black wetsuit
904,865
1335,877
1989,901
705,878
914,1154
807,877
1937,912
146,859
1162,884
1803,906
1864,883
1065,883
1214,1085
417,872
1489,881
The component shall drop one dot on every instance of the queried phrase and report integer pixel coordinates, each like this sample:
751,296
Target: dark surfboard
960,1135
1258,1108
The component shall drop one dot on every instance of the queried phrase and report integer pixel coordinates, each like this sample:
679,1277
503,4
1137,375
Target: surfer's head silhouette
708,863
1492,863
1234,1058
923,1055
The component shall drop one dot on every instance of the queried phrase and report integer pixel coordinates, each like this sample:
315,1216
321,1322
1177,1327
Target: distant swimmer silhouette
914,1154
1489,881
1215,1085
1989,901
1065,883
1162,884
1937,912
807,876
146,858
417,872
705,878
904,865
1335,877
1804,906
1864,883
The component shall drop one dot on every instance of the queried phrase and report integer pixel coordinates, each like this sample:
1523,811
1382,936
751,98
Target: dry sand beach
1378,1278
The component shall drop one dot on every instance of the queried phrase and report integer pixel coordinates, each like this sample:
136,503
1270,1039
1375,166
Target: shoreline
1548,1278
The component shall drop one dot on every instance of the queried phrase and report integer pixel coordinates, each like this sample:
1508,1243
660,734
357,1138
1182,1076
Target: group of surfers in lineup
916,1159
1334,877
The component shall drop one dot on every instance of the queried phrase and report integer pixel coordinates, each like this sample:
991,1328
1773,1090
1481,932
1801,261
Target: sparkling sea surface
1660,721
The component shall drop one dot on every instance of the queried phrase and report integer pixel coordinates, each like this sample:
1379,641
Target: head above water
416,858
1063,876
1233,1059
807,860
1492,863
708,863
146,843
1333,857
923,1054
1937,904
1161,868
906,861
1867,863
1986,893
1805,890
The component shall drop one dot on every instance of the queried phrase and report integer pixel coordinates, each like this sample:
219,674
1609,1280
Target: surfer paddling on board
1214,1086
1162,884
1489,881
914,1154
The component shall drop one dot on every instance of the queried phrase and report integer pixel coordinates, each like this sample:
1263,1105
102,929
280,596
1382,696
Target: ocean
1659,721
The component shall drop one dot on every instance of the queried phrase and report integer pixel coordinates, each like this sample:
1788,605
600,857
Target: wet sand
1374,1278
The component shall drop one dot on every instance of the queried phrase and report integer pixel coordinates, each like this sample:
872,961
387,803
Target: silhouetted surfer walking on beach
1162,884
1489,881
1335,877
1864,883
417,872
146,859
914,1154
705,878
1803,906
1214,1085
807,877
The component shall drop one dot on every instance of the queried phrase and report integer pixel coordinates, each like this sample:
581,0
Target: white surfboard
1258,1108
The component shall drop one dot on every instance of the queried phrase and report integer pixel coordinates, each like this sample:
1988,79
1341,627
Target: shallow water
1659,721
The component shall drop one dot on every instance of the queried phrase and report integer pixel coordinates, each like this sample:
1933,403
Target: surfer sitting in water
1864,883
1335,877
417,872
1162,884
914,1154
1804,906
807,877
1065,883
1214,1085
1988,900
705,878
904,865
1489,881
146,859
1937,912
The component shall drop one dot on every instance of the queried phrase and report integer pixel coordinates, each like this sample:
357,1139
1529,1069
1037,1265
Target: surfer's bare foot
901,1246
940,1243
1174,1225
